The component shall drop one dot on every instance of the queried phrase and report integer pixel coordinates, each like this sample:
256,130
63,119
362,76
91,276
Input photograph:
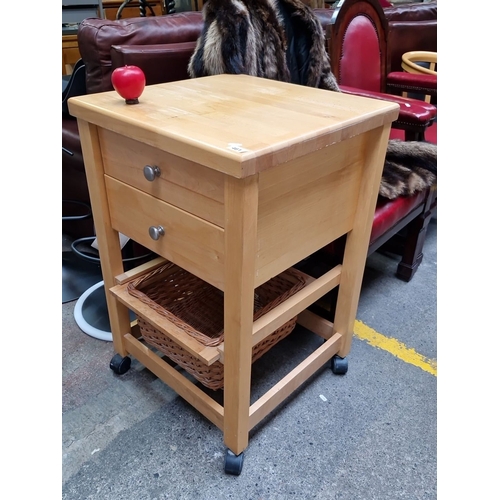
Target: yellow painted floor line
395,347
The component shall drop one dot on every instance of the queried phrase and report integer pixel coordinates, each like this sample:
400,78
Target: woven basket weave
198,309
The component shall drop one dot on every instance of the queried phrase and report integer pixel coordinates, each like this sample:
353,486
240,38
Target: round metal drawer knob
151,172
156,231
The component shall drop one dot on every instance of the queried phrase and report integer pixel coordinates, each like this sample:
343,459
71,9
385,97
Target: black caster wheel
233,463
339,365
119,364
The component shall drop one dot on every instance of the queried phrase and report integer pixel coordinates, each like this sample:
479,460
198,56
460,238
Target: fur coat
284,40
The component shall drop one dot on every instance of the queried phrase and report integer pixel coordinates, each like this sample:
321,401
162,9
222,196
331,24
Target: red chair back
358,44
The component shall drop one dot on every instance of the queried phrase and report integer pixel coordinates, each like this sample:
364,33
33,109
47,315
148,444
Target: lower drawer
190,242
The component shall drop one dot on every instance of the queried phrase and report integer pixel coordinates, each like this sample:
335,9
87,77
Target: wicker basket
198,308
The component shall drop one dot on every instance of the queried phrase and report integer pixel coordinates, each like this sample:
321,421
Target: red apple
129,82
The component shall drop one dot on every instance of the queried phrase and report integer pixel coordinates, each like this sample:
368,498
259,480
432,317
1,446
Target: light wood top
236,124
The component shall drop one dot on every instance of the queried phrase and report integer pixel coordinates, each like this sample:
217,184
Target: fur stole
276,39
410,166
284,40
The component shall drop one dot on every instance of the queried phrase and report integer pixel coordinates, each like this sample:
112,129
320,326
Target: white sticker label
235,146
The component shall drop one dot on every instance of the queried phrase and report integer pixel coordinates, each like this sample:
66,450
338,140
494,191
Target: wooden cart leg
358,238
241,197
107,238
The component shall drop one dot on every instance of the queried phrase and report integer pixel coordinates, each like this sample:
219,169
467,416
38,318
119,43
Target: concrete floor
368,434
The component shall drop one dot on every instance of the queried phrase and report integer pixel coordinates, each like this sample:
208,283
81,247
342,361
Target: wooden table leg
357,239
241,197
107,238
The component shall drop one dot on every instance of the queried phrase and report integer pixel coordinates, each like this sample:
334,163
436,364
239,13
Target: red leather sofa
161,46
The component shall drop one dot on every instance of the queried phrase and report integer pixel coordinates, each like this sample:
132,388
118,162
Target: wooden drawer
189,241
182,183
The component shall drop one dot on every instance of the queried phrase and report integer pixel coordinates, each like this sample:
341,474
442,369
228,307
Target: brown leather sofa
412,26
161,46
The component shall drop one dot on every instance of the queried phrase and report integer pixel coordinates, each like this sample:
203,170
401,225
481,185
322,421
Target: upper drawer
182,183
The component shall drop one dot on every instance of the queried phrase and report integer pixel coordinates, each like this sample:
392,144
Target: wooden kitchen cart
235,179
